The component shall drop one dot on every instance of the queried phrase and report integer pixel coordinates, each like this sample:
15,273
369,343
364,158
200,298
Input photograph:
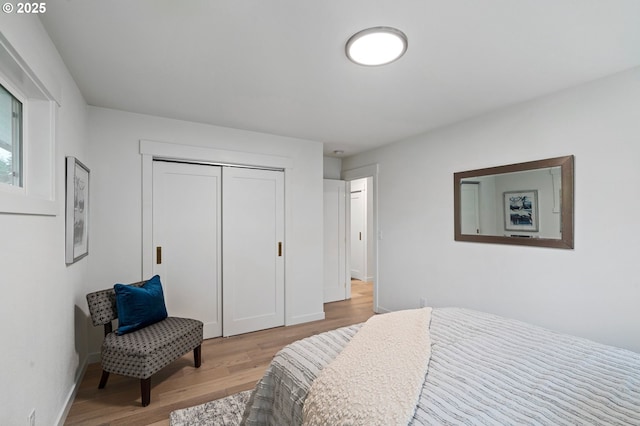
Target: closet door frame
150,150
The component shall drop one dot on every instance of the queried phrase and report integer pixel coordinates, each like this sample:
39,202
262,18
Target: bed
482,369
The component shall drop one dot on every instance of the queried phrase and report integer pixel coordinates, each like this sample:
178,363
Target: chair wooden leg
145,391
103,379
197,356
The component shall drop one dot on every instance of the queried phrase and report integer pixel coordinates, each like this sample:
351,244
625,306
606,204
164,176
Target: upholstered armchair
141,350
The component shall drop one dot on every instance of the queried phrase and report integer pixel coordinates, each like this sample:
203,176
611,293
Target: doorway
360,223
371,233
470,207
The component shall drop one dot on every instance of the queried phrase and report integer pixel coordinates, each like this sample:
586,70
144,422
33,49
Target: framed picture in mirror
521,210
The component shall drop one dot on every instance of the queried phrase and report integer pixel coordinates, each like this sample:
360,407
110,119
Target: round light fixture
376,46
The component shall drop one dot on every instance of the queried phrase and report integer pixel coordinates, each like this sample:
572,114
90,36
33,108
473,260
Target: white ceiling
278,66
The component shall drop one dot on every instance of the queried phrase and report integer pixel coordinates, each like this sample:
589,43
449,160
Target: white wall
332,167
591,291
371,233
42,308
116,239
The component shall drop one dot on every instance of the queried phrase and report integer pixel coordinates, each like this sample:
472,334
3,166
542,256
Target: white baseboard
305,318
382,310
71,396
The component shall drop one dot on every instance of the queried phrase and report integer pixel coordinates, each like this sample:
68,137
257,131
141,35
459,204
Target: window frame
40,102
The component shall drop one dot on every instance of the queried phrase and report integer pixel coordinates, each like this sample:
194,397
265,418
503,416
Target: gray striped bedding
484,370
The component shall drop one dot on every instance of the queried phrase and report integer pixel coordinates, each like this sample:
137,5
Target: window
28,109
10,139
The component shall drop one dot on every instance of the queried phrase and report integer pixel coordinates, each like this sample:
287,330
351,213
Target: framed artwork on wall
76,211
521,210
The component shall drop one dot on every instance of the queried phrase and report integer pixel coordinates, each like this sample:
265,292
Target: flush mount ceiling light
376,46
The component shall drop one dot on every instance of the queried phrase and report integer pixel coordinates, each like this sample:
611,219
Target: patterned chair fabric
102,305
143,352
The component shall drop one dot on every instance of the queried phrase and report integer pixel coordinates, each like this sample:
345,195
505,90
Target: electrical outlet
31,420
423,302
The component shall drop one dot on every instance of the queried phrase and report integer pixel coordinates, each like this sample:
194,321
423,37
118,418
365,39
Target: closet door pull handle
280,249
360,237
158,255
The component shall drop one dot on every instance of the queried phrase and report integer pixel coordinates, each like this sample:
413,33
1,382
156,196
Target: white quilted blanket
378,377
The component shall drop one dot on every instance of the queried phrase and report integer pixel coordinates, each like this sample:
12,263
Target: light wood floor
229,365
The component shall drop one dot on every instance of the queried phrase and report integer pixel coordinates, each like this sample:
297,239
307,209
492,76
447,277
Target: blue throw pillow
139,307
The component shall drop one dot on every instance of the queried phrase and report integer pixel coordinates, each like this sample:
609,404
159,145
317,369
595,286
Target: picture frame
521,210
76,211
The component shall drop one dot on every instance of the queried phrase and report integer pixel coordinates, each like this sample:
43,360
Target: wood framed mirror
527,204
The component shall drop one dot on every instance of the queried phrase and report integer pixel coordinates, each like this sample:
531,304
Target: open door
469,208
337,282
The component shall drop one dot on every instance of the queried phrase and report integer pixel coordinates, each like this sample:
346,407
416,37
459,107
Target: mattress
484,369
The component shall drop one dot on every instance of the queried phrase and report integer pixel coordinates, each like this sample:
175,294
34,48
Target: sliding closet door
186,238
253,241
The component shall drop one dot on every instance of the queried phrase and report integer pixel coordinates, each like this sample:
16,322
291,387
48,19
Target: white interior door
358,231
337,285
253,240
186,238
469,208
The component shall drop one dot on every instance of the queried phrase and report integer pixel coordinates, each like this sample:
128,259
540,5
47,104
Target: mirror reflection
519,204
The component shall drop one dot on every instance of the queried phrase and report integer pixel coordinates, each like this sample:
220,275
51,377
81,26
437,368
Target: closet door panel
187,241
253,250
